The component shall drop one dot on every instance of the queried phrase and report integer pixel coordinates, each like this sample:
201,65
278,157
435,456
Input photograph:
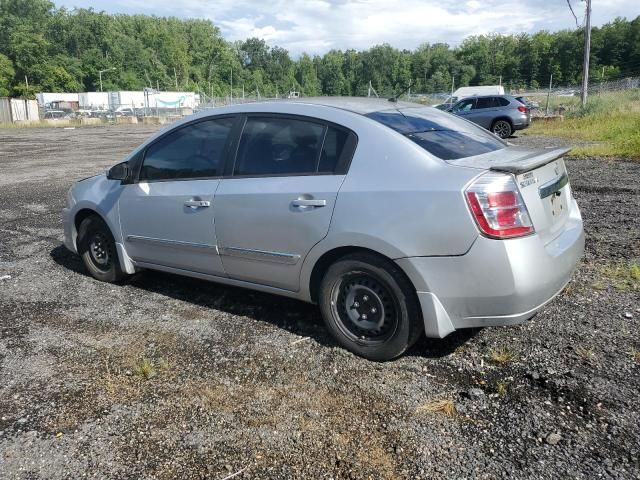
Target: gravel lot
166,377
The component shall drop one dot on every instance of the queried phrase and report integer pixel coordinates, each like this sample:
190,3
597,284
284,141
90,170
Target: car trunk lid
541,177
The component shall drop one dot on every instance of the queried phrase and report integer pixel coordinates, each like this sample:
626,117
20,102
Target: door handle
304,202
197,203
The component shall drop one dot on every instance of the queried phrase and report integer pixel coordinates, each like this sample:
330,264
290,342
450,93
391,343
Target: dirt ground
166,377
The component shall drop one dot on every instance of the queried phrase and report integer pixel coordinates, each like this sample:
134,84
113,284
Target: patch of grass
622,276
584,352
145,369
610,120
502,387
502,355
445,407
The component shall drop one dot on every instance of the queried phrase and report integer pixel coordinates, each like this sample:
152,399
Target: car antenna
395,98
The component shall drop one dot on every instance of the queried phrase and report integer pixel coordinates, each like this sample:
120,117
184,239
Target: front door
279,201
167,217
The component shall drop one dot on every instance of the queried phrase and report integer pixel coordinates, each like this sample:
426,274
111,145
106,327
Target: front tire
502,128
370,307
97,248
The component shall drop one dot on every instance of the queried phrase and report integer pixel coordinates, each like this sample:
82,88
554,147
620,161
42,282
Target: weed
445,407
622,275
635,355
611,120
461,349
502,355
502,388
145,369
586,353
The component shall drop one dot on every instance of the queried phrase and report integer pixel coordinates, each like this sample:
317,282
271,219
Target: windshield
441,134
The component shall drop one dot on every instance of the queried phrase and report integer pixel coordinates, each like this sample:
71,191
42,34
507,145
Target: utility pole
453,82
587,51
231,84
549,93
100,72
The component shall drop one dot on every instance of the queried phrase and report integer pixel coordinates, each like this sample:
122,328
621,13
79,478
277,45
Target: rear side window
194,151
439,133
288,146
278,146
487,102
336,146
503,102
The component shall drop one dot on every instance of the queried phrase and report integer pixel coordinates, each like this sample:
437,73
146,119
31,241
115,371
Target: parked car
397,219
501,114
464,92
55,114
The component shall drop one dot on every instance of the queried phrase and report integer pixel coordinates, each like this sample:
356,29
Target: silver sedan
396,219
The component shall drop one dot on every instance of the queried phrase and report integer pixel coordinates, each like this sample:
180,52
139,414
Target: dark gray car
501,114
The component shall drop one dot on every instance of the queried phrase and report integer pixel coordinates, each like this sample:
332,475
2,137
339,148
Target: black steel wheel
97,248
370,306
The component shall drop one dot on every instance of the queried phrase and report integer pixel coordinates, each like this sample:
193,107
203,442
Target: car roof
361,105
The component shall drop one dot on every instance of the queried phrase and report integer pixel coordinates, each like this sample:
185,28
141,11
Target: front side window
279,146
194,151
464,105
443,135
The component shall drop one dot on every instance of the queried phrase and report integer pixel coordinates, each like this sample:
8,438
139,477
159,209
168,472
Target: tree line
45,48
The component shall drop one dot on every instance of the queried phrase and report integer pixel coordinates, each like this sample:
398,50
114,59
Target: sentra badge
527,179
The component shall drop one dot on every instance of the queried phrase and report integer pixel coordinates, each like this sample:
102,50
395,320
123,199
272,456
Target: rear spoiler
529,162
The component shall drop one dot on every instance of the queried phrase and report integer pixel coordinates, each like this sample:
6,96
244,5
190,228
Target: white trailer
165,100
94,100
132,99
47,98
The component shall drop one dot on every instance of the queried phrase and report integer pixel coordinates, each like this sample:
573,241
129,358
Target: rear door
167,217
484,111
279,200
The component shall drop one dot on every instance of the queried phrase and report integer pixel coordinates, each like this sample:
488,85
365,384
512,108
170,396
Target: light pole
587,51
100,72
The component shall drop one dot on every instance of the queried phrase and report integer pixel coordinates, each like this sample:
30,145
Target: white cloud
316,26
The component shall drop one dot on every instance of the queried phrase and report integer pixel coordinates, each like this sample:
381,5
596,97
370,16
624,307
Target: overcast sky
315,26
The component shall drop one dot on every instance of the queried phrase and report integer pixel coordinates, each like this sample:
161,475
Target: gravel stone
232,389
553,438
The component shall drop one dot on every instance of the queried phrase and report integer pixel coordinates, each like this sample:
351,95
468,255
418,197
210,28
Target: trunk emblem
527,179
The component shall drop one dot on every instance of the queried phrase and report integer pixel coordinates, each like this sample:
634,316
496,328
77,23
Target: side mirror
120,172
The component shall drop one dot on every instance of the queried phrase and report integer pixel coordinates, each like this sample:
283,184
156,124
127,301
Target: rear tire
502,128
97,248
370,307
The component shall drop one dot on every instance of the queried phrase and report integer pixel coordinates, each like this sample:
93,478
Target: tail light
497,206
523,109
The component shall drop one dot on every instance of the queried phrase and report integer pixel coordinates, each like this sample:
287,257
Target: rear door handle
197,203
303,202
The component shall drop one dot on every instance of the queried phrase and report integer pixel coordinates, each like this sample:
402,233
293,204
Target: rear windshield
439,133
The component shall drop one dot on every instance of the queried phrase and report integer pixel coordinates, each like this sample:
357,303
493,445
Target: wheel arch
502,117
329,257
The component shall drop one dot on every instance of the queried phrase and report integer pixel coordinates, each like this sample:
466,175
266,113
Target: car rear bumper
497,282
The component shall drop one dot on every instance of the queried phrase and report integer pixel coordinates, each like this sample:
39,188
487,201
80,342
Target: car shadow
295,316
